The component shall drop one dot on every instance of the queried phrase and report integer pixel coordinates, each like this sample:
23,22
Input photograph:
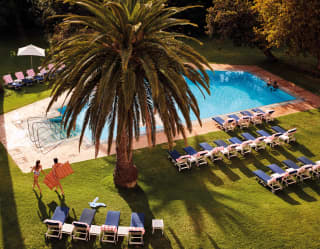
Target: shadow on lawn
138,202
11,233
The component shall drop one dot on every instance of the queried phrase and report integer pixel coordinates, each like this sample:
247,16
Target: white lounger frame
54,231
79,232
135,238
109,236
274,186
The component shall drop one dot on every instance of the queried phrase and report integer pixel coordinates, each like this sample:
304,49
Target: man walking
54,168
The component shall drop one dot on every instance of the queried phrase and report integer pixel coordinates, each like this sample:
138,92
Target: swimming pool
231,91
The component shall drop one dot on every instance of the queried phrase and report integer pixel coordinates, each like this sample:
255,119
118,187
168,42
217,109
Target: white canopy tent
31,50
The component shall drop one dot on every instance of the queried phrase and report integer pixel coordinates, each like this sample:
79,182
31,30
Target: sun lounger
110,227
56,222
213,153
21,78
136,230
306,160
8,82
255,118
286,177
180,161
226,125
244,147
256,143
50,66
32,74
267,180
286,136
242,122
198,157
302,172
82,227
42,71
315,170
229,150
272,140
267,115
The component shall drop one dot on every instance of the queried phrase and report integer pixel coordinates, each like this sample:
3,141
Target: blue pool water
230,92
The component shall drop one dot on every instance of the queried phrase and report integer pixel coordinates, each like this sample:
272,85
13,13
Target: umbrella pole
31,61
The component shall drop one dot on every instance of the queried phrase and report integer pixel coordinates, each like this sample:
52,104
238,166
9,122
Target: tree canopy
236,20
294,25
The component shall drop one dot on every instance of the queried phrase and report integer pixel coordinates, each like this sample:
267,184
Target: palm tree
126,67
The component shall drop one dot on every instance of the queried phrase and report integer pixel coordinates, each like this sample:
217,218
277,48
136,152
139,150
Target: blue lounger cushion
278,129
248,136
219,120
234,116
174,154
246,113
263,176
257,110
206,146
306,160
263,133
235,140
112,218
276,169
137,220
220,142
291,164
86,217
190,151
60,214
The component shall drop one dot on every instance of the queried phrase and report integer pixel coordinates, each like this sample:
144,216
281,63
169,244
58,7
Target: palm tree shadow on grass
138,202
11,233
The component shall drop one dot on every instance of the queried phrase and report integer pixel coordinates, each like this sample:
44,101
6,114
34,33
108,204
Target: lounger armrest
183,158
136,229
109,228
269,112
272,180
80,224
201,153
53,222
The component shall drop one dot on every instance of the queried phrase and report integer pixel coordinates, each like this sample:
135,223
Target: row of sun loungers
244,121
28,80
81,229
232,149
292,174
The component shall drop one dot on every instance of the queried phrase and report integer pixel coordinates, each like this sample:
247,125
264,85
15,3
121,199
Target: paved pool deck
14,133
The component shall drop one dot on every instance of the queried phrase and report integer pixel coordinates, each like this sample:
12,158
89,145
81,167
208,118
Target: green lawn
219,206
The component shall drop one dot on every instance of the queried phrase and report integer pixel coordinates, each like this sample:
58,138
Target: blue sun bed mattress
206,146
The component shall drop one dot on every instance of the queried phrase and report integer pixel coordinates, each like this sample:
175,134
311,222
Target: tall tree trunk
267,52
125,172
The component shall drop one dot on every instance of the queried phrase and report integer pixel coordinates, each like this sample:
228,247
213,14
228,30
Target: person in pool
36,172
275,85
54,168
268,82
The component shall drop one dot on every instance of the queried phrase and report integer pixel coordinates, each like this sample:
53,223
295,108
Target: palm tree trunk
125,172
